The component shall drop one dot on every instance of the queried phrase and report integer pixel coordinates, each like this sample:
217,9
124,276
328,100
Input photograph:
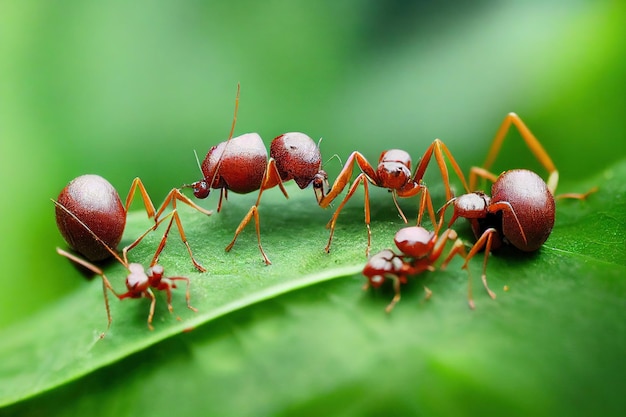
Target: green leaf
291,339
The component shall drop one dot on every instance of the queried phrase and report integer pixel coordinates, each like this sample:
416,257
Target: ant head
137,280
383,264
320,185
200,189
415,241
472,205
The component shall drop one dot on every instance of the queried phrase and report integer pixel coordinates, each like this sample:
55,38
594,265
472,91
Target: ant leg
476,172
484,241
183,238
147,201
252,212
148,293
106,284
577,196
457,249
187,293
425,200
506,206
427,293
223,196
361,178
176,194
126,249
439,148
531,141
394,196
344,177
270,179
396,297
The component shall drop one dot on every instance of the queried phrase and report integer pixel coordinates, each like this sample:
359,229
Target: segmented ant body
139,282
241,165
420,250
521,208
94,201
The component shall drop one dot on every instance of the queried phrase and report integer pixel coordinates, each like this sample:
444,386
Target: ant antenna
230,136
197,160
95,236
332,157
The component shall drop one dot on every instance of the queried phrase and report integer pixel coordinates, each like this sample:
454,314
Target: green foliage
125,89
300,336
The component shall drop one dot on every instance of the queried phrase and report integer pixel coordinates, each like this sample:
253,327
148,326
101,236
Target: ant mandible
420,249
139,282
521,209
94,201
241,165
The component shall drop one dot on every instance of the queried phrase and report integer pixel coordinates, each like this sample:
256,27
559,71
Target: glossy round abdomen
242,165
97,204
533,204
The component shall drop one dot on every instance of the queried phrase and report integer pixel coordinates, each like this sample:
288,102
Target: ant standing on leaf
139,282
420,250
241,165
521,209
95,202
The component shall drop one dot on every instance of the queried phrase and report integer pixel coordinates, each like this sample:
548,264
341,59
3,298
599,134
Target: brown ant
521,209
420,249
139,282
94,201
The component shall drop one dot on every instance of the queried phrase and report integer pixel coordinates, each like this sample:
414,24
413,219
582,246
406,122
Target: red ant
420,249
241,165
394,173
139,282
521,209
94,201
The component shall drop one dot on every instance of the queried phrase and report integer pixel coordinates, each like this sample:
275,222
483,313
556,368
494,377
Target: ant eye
200,189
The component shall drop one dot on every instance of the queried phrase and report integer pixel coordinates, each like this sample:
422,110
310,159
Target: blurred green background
126,89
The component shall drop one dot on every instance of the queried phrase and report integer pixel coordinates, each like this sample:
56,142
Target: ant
420,249
94,201
521,209
241,165
139,282
394,173
244,167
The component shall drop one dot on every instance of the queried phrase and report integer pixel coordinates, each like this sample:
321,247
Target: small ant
521,209
94,201
139,282
420,249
